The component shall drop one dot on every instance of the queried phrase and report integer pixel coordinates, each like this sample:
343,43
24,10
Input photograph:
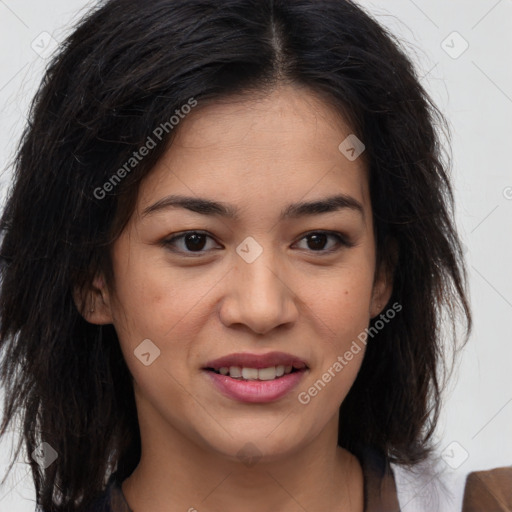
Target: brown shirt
488,491
379,488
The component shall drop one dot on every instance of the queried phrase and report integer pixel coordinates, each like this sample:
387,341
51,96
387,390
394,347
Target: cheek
162,304
342,300
151,297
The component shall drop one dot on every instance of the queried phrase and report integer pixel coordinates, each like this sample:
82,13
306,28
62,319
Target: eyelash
342,242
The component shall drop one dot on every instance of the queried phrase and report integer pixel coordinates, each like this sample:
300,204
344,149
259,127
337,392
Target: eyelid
342,239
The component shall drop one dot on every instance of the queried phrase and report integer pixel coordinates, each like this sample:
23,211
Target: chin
252,445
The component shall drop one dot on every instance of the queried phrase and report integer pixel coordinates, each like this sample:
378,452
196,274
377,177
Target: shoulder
488,490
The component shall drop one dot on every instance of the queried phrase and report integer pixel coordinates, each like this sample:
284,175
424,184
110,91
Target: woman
227,251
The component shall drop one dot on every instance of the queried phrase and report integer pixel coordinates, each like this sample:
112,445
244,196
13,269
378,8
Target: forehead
284,145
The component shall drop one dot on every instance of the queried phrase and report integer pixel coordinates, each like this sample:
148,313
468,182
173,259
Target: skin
292,298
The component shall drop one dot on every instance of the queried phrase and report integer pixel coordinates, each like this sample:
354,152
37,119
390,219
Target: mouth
261,374
256,378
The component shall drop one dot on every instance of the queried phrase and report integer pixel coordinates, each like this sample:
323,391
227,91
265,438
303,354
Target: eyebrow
205,206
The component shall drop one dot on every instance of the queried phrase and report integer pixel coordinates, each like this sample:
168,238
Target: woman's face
260,288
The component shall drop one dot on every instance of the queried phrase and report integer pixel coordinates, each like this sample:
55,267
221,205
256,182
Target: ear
94,303
383,282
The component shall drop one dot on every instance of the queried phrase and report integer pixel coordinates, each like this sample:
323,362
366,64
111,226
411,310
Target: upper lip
247,360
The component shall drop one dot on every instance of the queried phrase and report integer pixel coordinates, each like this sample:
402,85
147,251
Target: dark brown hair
125,70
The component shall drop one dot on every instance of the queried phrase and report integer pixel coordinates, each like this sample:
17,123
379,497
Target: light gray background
474,89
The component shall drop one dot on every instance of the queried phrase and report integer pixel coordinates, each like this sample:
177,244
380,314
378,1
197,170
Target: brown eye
317,241
189,242
194,241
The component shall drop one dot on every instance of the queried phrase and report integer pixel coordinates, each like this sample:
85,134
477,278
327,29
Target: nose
258,296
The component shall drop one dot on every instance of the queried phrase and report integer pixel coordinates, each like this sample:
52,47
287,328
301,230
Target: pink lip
256,390
247,360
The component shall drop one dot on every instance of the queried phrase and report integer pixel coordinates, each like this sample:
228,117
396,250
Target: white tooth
279,370
250,373
235,371
288,369
267,373
224,370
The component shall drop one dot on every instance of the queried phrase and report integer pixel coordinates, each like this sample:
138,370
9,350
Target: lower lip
259,391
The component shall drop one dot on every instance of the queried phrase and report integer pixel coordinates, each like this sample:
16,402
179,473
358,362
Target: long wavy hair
123,72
